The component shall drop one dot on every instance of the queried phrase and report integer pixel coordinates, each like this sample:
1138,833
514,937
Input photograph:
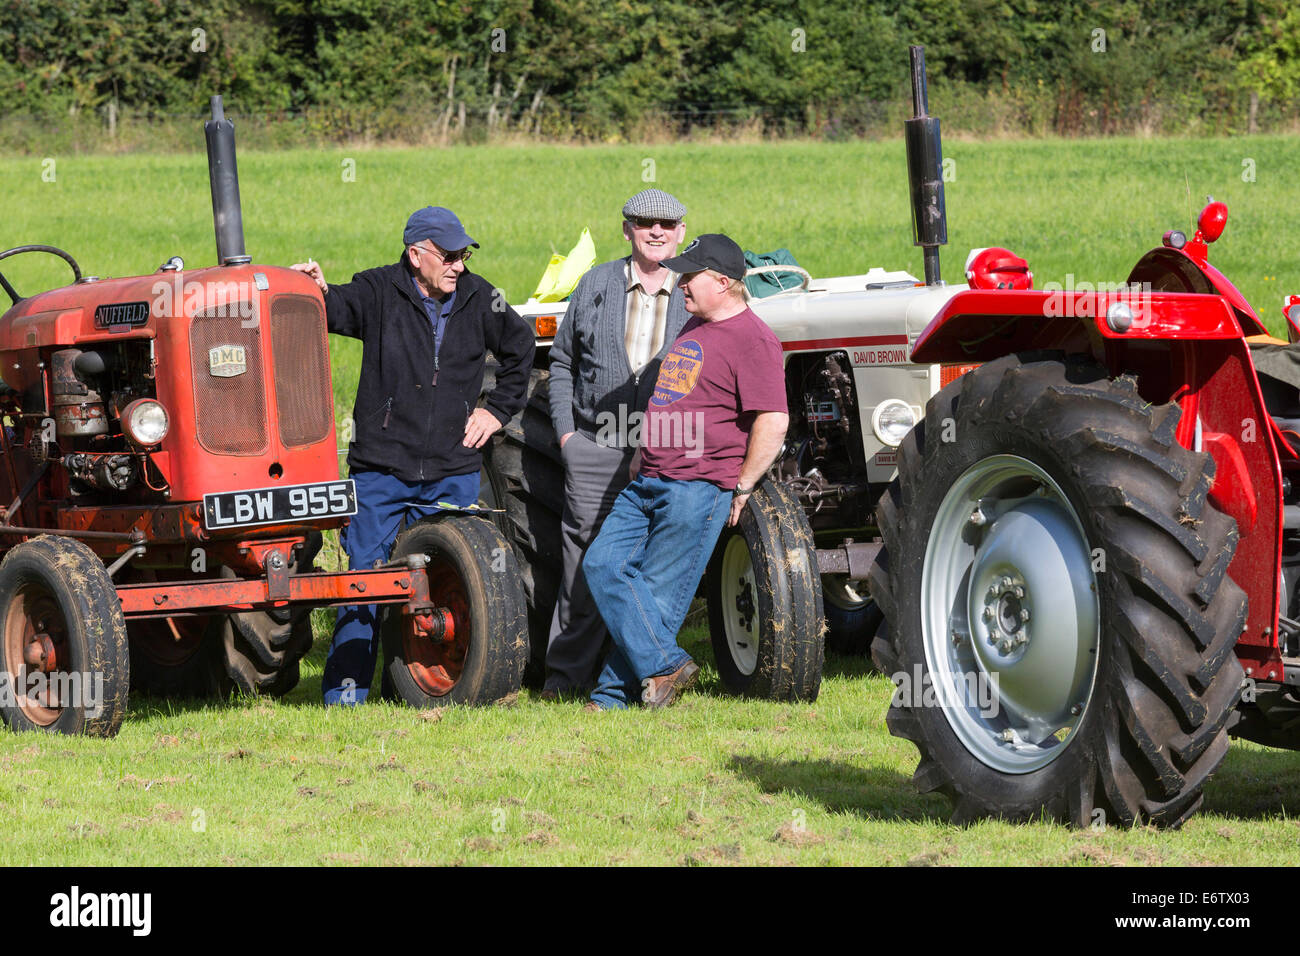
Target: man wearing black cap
622,317
424,323
714,424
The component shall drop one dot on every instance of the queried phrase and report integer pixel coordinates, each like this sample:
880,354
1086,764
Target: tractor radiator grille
302,375
230,409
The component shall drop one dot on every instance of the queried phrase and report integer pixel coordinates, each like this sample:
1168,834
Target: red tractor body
1101,523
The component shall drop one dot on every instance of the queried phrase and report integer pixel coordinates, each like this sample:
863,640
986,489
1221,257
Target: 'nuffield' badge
227,361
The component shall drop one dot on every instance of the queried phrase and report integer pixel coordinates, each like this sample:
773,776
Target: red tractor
169,464
1091,560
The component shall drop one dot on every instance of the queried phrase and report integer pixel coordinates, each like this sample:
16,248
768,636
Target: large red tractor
169,464
1092,551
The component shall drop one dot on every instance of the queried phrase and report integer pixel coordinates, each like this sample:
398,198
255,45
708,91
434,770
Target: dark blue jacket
404,424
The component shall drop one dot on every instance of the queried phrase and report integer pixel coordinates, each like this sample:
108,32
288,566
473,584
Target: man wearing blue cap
424,323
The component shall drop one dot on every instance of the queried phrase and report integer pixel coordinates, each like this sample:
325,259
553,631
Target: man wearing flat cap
424,323
714,424
621,319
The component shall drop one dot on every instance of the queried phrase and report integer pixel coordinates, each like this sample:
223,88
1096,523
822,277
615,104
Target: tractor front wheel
765,601
63,654
1060,621
479,656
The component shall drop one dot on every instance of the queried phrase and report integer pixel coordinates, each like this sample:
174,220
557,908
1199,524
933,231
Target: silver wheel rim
1009,615
847,594
740,605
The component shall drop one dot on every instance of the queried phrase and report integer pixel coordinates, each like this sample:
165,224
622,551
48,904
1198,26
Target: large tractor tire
523,476
254,652
765,601
1060,623
63,656
472,573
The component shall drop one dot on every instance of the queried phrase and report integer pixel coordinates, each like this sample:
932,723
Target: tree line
610,69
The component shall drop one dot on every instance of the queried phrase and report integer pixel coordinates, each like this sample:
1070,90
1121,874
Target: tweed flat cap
653,204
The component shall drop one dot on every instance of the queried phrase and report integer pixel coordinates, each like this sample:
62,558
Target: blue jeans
384,506
642,571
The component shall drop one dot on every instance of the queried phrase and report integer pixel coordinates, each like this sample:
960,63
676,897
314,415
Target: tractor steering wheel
52,250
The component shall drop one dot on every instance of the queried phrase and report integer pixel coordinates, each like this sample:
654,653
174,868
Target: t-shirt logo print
678,373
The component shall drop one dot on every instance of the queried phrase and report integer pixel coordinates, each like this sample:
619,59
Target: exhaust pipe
224,177
925,172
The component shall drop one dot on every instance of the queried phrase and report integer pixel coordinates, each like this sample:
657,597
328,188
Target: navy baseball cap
710,251
439,225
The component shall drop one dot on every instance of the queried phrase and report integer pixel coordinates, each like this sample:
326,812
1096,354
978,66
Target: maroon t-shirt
711,383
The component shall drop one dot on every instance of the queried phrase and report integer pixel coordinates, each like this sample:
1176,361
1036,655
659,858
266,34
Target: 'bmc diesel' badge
227,361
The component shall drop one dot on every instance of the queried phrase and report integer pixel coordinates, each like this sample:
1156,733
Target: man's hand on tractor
312,268
480,427
738,503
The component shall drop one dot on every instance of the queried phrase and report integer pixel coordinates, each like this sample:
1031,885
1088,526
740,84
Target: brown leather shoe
662,691
591,707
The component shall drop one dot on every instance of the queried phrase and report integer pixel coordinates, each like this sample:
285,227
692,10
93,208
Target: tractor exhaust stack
224,177
925,172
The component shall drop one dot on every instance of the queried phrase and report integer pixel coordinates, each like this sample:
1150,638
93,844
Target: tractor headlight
145,421
892,420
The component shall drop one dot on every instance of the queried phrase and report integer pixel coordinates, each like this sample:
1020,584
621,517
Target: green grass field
714,780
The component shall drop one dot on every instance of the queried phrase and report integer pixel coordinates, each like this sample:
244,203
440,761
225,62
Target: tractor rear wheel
523,476
473,576
255,652
765,601
179,657
63,648
1060,623
852,618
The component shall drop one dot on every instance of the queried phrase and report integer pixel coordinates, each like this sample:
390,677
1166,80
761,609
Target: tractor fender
981,325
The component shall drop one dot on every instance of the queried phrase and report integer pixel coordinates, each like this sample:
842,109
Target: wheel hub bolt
977,518
1008,735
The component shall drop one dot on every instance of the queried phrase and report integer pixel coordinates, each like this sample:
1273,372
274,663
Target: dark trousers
593,477
384,506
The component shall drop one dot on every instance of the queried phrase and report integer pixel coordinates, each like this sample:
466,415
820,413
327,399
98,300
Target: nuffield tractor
169,464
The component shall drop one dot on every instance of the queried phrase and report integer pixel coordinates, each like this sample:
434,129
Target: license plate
284,505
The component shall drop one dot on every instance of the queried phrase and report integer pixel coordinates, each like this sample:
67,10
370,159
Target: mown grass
714,780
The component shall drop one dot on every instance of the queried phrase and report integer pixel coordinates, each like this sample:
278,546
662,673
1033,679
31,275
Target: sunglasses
448,258
643,223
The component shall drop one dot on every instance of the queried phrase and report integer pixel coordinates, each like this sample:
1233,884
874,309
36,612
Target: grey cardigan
590,374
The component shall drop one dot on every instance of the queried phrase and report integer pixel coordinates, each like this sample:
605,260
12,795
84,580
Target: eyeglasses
643,223
461,255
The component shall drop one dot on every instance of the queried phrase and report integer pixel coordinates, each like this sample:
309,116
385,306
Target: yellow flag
563,272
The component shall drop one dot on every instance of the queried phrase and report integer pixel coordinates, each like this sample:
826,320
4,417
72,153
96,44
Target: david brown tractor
793,574
1097,529
169,464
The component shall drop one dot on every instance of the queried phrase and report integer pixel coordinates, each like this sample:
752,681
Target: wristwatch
737,491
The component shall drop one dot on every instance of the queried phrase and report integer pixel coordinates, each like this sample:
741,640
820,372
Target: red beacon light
1209,227
997,268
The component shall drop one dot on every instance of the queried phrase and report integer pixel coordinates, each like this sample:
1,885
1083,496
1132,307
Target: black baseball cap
710,251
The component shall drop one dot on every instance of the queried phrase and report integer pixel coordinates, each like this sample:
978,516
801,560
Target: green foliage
437,69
